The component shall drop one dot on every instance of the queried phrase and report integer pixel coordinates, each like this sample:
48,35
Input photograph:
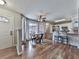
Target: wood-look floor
9,53
48,50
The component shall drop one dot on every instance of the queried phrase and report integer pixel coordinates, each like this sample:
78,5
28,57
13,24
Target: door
33,28
6,33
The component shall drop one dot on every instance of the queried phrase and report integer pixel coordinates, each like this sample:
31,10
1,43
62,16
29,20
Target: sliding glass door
33,28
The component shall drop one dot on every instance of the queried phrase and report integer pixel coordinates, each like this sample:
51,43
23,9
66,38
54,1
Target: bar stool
65,39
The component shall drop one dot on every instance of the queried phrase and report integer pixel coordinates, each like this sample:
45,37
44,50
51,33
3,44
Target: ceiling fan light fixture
2,2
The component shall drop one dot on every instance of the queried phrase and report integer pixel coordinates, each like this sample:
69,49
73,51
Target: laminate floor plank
49,50
46,50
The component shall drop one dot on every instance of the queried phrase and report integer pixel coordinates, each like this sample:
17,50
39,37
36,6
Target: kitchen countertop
72,33
74,39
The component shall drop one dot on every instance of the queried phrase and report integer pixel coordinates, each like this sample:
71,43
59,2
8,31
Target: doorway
6,32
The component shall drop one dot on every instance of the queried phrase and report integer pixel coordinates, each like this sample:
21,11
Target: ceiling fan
42,16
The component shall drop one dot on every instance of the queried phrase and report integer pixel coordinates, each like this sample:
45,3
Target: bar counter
74,39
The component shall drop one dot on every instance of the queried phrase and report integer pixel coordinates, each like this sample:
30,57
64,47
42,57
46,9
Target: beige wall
14,20
48,28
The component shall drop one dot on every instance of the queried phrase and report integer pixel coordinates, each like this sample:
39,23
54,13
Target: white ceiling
56,9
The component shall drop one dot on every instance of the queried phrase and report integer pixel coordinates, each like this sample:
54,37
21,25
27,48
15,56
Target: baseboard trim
20,53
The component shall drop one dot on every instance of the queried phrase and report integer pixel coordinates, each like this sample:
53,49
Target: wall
15,21
48,31
48,27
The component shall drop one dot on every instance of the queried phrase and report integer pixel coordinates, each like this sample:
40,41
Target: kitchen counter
74,39
72,33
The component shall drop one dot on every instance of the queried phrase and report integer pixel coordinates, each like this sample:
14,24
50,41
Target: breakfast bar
74,39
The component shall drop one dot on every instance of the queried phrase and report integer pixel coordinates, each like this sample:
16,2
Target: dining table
38,38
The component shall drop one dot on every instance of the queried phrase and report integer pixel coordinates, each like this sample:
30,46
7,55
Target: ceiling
55,9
